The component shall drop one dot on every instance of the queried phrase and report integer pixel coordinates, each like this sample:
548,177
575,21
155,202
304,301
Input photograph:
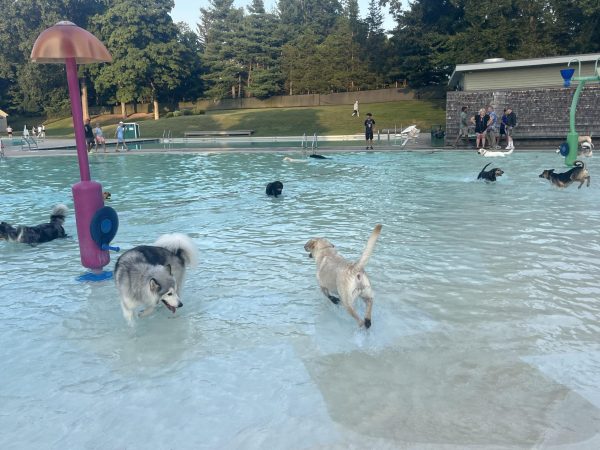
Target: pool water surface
485,323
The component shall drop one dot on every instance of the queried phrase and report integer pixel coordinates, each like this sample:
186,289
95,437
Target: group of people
37,132
489,130
94,137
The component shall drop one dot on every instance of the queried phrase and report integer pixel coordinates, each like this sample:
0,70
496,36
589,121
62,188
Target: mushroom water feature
66,43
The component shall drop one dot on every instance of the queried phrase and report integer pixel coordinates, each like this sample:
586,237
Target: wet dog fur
150,274
564,179
489,175
341,280
275,188
38,234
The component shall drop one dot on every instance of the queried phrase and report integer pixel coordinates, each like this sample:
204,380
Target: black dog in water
38,234
275,188
489,175
316,156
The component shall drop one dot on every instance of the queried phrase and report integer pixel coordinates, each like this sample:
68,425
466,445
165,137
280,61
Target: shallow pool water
485,325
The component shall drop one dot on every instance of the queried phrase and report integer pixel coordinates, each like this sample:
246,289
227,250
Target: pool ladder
166,139
313,145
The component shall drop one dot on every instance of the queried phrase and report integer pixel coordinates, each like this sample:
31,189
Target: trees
223,70
148,57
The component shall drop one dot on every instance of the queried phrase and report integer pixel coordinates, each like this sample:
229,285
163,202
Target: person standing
89,135
120,135
511,123
492,127
9,131
463,130
502,128
369,124
99,135
355,110
480,121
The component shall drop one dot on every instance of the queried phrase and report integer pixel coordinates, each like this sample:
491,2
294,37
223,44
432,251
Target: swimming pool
485,324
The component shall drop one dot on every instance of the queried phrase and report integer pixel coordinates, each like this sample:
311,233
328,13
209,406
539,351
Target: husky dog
38,234
149,274
338,276
489,175
564,179
491,154
275,188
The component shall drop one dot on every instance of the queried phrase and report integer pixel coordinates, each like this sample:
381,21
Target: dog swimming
275,188
489,175
147,275
37,234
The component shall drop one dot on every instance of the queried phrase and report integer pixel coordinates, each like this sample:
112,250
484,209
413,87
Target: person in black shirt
89,135
369,130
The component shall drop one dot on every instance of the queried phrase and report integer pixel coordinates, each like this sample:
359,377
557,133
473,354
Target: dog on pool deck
491,154
38,234
149,274
347,280
275,188
564,179
489,175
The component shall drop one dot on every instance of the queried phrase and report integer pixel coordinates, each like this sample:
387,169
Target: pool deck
65,146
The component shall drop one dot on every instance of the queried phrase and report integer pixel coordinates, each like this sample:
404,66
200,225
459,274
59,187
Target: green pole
572,136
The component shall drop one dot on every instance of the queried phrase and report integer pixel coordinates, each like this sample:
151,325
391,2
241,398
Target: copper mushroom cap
67,40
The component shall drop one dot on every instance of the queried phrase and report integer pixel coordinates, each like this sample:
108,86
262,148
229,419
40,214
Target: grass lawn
324,120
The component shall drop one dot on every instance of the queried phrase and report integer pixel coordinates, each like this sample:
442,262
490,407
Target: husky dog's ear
154,286
168,269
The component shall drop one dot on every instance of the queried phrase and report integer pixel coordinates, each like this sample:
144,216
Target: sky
189,11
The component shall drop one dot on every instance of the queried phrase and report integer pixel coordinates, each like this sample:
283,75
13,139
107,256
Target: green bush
176,113
199,112
169,114
187,112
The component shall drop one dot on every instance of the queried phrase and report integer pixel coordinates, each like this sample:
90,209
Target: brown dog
564,179
338,276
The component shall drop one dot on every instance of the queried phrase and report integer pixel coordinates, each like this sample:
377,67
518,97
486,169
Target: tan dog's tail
362,262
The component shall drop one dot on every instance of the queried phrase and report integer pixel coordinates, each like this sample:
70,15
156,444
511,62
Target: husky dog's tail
579,163
180,244
58,213
362,262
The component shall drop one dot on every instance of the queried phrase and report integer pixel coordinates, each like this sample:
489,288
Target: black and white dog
489,175
275,188
147,275
38,234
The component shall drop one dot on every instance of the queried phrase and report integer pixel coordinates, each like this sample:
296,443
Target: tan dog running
338,276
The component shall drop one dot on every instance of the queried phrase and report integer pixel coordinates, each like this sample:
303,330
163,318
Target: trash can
438,136
131,130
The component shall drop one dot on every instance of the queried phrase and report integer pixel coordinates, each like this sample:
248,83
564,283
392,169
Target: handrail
579,70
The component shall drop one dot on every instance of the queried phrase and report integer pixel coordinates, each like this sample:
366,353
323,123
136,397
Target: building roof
3,114
499,63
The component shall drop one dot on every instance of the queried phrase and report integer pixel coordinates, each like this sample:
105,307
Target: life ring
104,226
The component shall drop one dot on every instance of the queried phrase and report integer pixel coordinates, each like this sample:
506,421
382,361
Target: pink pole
87,194
76,110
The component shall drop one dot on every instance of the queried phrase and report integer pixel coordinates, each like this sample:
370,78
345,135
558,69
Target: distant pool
485,326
